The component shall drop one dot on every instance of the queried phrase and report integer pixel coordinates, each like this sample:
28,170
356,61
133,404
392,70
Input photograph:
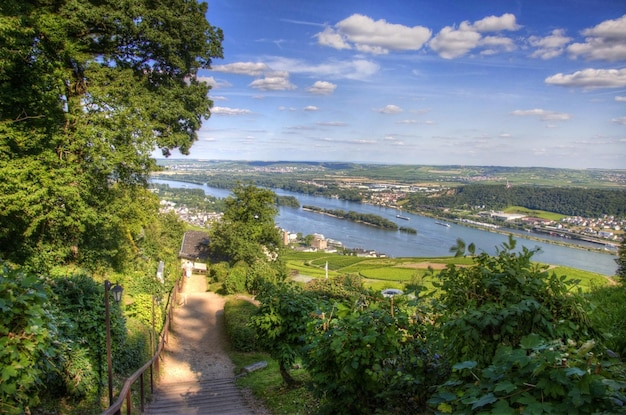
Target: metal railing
152,365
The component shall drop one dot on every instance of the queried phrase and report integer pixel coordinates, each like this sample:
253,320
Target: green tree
87,91
247,231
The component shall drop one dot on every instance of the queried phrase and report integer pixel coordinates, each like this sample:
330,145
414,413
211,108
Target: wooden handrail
125,392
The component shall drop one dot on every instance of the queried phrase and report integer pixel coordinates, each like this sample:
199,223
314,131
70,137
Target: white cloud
620,99
389,109
358,69
621,120
214,83
550,46
452,42
243,68
229,111
322,88
542,114
590,79
278,82
332,124
606,41
311,108
497,23
376,37
331,38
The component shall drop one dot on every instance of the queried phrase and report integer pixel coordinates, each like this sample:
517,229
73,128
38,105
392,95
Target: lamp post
117,296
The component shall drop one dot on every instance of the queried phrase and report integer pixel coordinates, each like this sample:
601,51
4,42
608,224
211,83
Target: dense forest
567,201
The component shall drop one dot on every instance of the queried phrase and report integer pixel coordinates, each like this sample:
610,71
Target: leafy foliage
247,231
88,91
372,360
284,313
237,317
501,335
503,298
538,377
27,336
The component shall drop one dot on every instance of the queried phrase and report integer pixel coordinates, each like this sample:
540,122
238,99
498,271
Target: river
432,239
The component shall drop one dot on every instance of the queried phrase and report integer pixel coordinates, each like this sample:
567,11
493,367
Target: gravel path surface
195,350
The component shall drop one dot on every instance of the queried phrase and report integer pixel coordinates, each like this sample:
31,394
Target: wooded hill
564,200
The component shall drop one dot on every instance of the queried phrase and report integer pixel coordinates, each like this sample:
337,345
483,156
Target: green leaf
484,400
469,364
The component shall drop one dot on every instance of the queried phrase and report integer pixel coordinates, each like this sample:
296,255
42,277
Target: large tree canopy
247,232
88,90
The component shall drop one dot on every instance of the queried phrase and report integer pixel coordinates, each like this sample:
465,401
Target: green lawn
380,273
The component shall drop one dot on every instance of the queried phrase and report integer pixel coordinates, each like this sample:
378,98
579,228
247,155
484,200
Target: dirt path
195,350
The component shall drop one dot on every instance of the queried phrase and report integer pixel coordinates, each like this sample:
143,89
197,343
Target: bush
236,280
27,337
608,315
218,272
536,378
237,315
503,298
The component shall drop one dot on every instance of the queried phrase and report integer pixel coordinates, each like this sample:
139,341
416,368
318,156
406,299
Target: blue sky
501,82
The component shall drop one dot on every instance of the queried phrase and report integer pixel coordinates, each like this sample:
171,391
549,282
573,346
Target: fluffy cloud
243,68
389,109
452,42
373,36
347,69
278,81
620,99
322,88
542,114
497,23
590,79
550,46
229,111
606,41
621,120
331,38
311,108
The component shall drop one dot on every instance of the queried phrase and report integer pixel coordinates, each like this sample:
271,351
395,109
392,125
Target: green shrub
79,376
136,348
235,282
237,315
503,298
27,337
538,377
608,315
218,272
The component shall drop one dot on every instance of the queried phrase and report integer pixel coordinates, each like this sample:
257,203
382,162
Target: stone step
199,397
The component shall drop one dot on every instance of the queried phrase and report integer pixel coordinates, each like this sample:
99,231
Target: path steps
199,397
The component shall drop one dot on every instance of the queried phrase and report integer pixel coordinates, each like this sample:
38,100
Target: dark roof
195,246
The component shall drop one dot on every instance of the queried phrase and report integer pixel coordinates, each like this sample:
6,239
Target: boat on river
447,225
402,217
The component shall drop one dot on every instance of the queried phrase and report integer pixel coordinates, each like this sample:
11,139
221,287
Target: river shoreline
501,231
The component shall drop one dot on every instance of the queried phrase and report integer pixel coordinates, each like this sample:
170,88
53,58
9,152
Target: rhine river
432,239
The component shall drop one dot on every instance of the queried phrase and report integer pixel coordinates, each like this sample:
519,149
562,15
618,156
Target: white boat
402,217
447,225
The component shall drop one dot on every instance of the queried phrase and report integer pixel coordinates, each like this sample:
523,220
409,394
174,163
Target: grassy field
381,273
535,213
